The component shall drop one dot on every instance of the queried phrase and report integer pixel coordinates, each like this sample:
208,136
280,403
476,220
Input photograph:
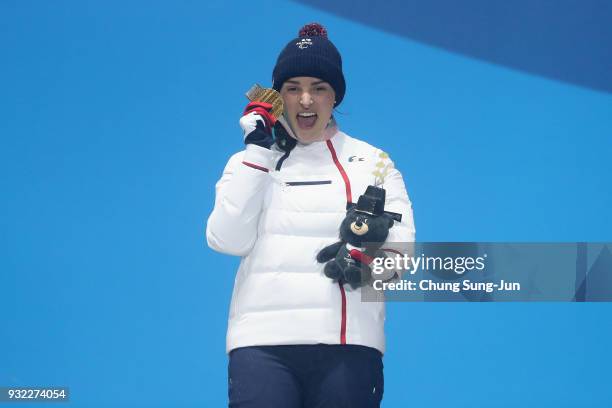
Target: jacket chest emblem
382,168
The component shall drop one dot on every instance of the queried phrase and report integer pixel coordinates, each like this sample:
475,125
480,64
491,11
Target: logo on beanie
304,43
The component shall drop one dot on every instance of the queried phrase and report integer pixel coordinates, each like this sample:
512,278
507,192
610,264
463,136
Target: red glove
264,110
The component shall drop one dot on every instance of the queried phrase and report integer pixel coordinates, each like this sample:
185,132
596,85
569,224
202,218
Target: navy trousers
305,376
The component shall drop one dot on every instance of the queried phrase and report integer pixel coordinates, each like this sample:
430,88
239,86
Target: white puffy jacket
278,220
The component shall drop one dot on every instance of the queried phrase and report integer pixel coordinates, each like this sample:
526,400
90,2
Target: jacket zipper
349,199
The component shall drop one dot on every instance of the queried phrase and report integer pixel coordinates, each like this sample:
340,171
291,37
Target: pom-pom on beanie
311,54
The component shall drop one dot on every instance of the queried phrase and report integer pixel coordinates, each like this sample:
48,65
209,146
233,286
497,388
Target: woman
295,337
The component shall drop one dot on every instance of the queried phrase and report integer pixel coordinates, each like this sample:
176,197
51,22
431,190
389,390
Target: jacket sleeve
232,226
397,201
402,235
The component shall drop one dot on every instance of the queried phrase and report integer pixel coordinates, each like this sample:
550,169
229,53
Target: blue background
117,117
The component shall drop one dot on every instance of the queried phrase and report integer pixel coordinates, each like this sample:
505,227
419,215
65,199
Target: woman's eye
321,88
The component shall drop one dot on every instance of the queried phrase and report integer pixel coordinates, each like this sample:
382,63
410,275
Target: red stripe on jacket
347,185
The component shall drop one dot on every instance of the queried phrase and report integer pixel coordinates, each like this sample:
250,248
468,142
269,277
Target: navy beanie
311,54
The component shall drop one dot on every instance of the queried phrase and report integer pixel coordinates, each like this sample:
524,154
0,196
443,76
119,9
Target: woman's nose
306,99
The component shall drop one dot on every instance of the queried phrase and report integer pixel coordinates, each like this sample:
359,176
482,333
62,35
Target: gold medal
268,95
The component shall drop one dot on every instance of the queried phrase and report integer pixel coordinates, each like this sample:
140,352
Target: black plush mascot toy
363,231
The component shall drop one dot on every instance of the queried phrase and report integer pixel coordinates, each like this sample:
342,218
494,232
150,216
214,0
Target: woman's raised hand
257,123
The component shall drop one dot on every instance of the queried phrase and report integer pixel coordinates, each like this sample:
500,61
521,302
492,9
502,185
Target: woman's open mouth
306,120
